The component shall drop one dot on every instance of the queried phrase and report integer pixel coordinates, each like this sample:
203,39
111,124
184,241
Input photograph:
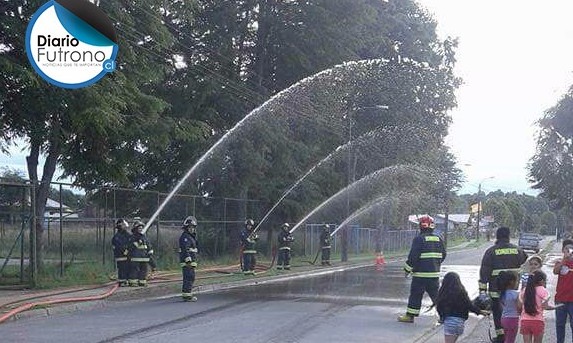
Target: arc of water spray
366,208
251,115
360,139
345,189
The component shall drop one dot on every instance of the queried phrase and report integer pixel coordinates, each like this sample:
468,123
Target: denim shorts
454,326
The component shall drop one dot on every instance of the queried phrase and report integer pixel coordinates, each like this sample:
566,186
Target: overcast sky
516,59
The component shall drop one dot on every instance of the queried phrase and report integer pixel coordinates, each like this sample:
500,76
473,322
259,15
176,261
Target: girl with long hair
535,298
453,305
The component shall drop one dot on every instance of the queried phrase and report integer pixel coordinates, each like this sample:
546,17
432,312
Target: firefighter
248,241
325,245
120,245
285,240
188,250
499,257
139,253
424,261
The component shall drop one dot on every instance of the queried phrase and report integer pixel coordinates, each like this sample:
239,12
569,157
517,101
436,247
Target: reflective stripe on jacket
426,256
500,257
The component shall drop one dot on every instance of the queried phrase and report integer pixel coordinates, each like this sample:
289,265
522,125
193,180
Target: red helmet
426,222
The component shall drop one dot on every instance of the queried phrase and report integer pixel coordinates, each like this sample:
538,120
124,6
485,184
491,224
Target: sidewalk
476,329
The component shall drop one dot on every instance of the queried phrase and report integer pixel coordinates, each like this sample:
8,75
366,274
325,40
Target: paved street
357,305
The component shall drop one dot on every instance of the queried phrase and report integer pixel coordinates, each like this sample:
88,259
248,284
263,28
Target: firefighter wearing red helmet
424,261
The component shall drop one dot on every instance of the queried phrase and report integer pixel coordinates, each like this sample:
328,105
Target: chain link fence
76,229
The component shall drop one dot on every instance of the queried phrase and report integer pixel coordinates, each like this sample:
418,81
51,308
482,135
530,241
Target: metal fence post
61,235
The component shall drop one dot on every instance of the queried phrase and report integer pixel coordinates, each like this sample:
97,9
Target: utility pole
352,175
344,249
479,206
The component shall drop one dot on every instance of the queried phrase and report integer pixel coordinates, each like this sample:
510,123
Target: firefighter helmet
426,222
249,222
121,224
190,221
136,225
326,228
483,302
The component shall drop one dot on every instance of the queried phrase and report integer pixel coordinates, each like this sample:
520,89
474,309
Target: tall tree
95,134
550,167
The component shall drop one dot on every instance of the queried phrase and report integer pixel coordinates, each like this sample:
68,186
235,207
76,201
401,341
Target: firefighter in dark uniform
248,241
500,257
325,245
139,253
120,244
285,240
188,249
424,261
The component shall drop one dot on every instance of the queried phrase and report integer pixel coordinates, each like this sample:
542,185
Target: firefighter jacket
501,256
248,240
426,255
325,239
188,249
120,245
285,239
140,249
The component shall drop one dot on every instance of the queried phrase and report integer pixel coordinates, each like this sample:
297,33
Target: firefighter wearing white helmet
140,254
285,239
188,250
248,241
424,261
120,245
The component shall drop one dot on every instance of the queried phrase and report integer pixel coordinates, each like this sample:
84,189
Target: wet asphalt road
359,305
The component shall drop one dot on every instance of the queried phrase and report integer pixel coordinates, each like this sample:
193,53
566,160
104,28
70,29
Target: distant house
52,210
455,221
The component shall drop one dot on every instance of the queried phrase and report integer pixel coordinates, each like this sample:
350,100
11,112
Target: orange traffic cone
380,262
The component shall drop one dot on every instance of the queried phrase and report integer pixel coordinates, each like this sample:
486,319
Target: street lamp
352,174
479,206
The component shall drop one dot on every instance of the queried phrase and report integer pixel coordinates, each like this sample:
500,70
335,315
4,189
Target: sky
516,60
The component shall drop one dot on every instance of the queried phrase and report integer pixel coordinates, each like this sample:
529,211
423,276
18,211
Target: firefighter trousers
496,311
138,273
325,256
249,262
417,288
188,279
122,272
283,259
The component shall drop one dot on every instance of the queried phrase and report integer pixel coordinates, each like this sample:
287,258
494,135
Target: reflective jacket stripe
326,247
496,272
249,251
431,255
426,274
119,259
140,259
432,238
284,248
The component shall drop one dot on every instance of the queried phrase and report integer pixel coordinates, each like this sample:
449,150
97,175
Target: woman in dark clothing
453,305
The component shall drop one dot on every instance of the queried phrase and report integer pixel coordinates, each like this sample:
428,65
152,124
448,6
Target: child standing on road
507,283
533,263
453,305
564,292
535,299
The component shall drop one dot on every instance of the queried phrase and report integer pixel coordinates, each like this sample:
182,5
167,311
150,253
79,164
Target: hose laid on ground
73,290
315,258
28,306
